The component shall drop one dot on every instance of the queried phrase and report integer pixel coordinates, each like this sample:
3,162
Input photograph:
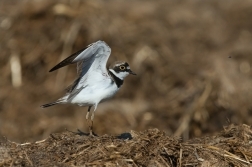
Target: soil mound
231,147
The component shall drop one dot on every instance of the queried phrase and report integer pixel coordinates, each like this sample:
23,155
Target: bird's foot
79,132
92,134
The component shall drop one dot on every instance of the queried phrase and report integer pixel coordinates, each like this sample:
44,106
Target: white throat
120,75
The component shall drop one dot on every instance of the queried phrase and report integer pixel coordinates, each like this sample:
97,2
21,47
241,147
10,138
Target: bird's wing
86,56
90,60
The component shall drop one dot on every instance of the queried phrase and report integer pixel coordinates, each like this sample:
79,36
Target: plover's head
121,70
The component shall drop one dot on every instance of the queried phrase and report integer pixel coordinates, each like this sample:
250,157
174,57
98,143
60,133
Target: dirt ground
232,147
193,64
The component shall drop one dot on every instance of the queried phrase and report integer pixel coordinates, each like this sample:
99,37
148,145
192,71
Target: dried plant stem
16,72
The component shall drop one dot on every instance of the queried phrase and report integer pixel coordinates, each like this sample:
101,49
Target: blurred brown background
193,61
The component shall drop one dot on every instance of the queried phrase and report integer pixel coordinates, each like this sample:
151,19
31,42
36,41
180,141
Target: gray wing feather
71,87
74,93
86,58
83,66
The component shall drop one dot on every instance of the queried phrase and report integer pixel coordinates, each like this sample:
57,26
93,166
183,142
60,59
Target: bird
95,83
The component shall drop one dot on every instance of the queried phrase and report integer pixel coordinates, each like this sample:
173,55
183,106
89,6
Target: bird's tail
50,104
61,100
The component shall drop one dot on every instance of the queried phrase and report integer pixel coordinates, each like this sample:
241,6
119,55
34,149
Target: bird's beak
131,72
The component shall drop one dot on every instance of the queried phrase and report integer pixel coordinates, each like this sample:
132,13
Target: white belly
94,94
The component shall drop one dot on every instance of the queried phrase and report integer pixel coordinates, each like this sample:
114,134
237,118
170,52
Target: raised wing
93,58
86,57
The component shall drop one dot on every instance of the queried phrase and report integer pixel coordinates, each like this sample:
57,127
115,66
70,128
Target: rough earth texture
231,147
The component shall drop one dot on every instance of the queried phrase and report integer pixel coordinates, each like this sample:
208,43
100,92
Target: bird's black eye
122,67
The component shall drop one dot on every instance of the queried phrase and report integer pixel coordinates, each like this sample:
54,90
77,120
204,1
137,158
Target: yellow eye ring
122,68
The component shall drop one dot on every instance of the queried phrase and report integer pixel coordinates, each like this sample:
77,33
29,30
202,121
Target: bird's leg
92,116
91,133
91,129
87,115
89,124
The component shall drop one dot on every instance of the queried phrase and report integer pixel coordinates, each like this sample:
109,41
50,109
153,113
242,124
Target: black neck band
117,80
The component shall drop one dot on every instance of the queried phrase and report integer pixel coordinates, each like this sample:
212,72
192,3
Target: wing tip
55,68
51,70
